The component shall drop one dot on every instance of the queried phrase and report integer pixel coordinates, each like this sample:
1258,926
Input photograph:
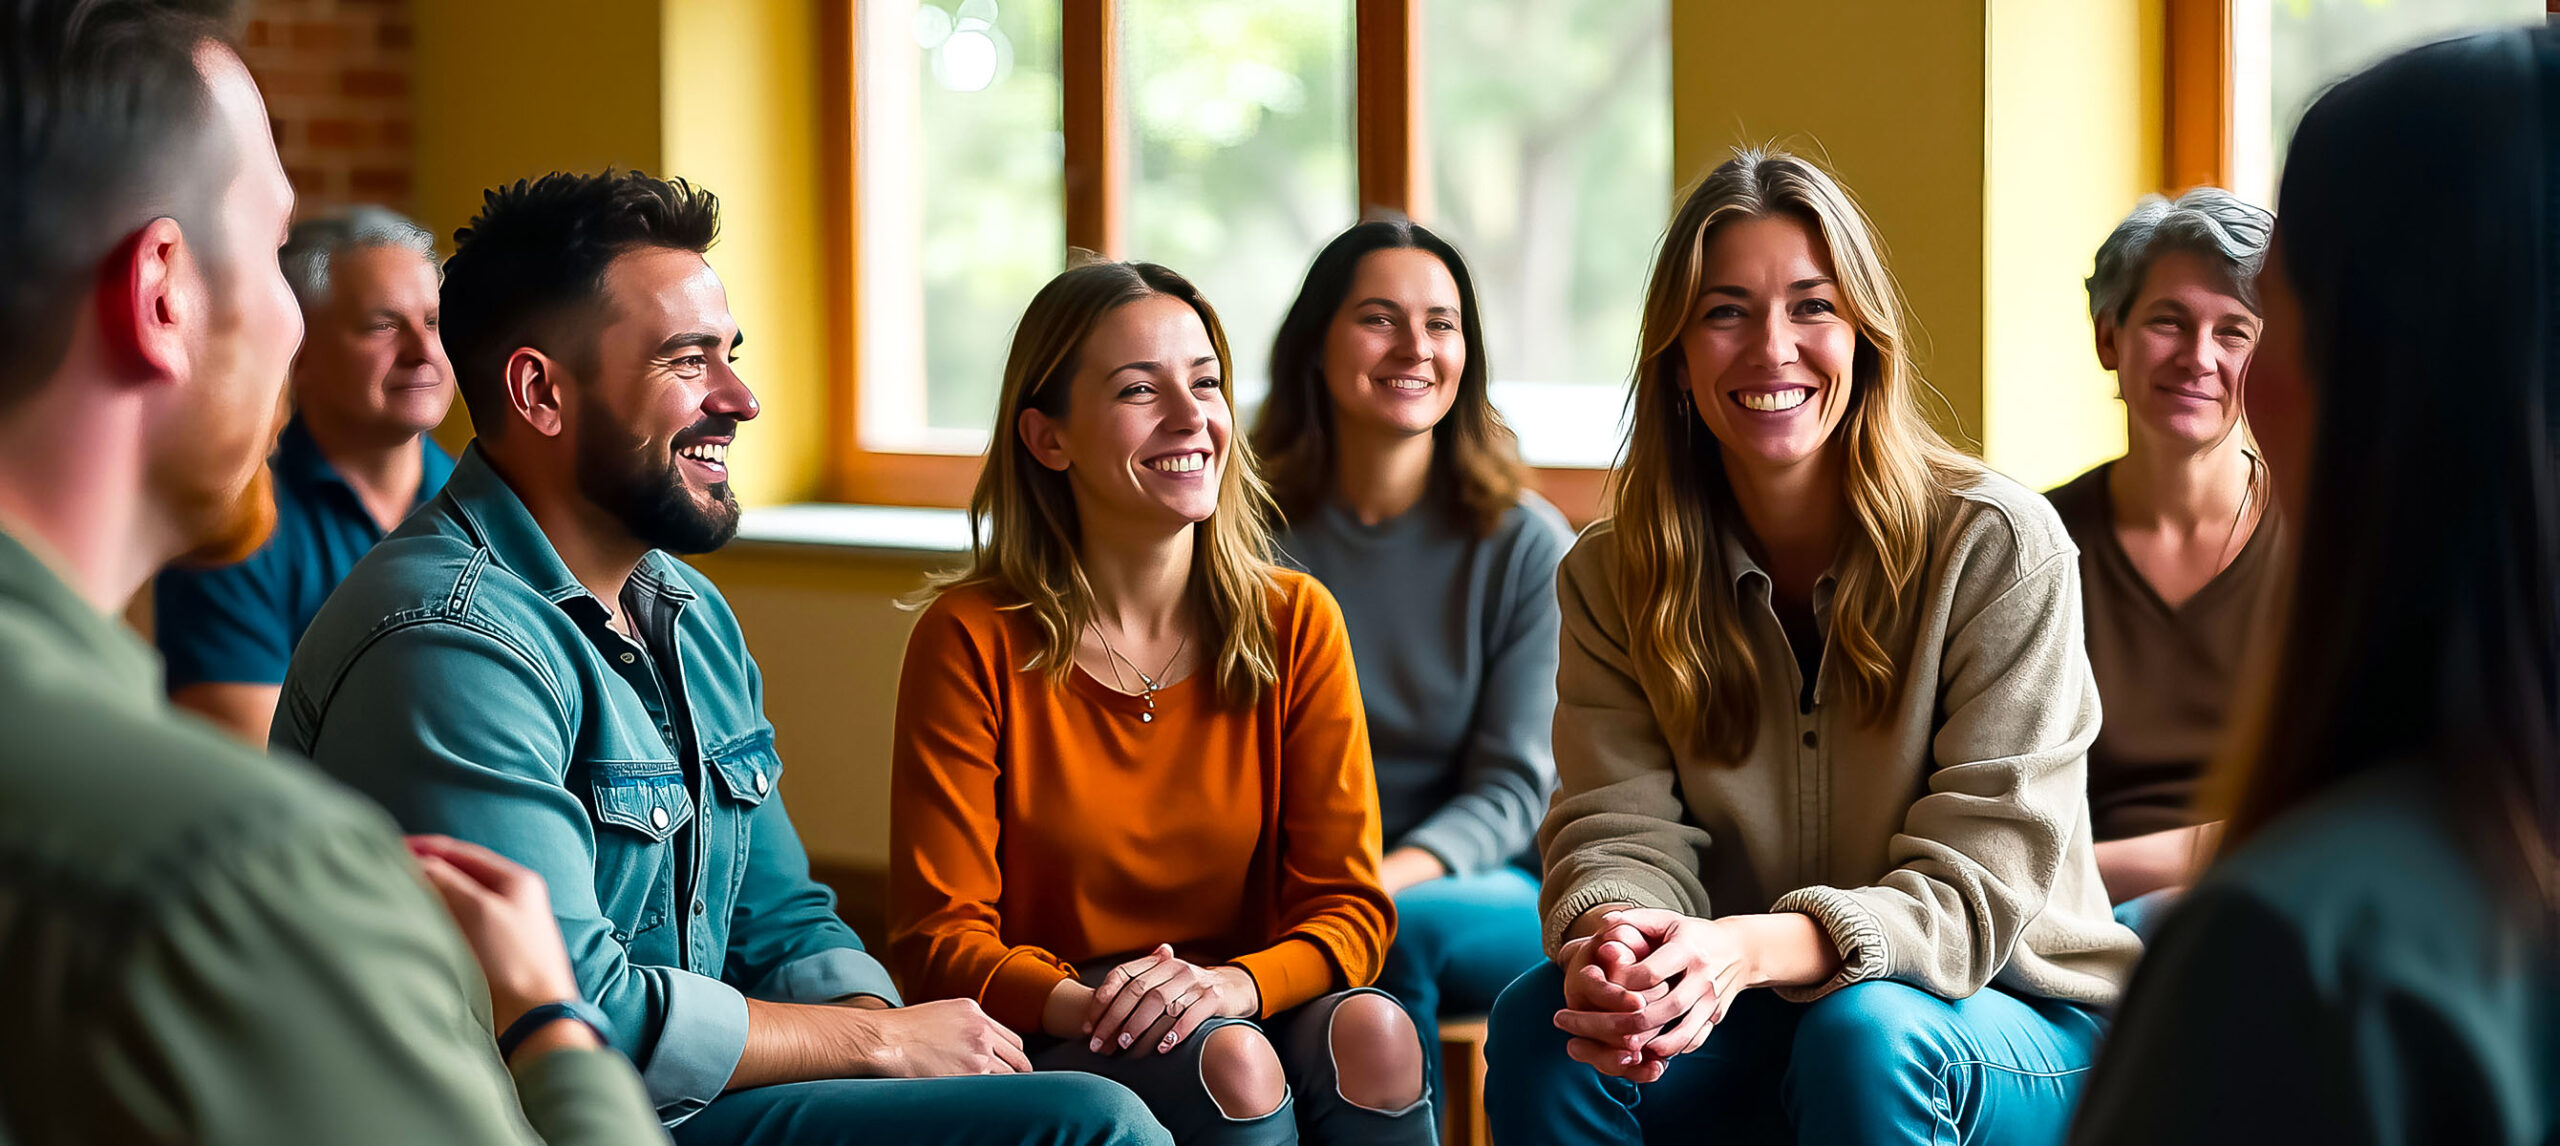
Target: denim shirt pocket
643,796
639,805
748,769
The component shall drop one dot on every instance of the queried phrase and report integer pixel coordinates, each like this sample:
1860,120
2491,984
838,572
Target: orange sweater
1033,825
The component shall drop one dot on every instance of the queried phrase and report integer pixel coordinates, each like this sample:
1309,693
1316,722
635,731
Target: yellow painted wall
741,103
1889,95
1993,142
2074,139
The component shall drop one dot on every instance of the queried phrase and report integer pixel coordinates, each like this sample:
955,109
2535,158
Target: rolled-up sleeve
1980,850
1617,831
454,730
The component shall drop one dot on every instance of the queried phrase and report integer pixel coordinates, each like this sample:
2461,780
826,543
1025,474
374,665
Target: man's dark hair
529,270
105,125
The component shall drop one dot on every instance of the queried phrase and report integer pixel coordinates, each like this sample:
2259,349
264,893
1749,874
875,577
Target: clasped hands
1648,986
1149,1004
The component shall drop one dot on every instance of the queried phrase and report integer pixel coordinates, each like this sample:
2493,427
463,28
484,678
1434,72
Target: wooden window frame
1392,155
2197,139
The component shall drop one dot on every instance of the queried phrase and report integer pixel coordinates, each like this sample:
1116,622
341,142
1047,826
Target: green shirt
2351,975
202,944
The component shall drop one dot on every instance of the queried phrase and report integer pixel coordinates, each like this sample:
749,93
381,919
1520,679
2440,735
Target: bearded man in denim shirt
522,665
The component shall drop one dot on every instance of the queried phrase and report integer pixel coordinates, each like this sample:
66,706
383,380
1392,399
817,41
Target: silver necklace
1147,684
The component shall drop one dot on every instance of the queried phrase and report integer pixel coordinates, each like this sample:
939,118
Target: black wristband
545,1015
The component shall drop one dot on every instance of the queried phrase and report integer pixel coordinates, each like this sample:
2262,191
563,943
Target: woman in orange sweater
1127,742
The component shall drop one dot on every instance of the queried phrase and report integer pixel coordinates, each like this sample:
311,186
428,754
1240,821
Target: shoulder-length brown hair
1671,499
2423,618
1475,459
1022,518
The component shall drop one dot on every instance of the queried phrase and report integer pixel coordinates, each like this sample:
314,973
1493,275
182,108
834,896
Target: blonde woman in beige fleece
1823,720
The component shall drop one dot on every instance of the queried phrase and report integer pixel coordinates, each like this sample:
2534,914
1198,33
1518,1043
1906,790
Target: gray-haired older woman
2177,536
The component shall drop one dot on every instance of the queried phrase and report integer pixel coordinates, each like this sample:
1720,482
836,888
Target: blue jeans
1878,1062
2143,913
1459,942
1003,1110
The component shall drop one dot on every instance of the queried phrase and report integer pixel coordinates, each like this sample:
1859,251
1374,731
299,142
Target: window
1241,114
1229,139
2242,72
1555,191
960,211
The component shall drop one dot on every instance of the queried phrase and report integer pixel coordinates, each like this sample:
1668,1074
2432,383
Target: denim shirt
464,678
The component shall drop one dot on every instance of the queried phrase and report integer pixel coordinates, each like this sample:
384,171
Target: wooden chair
1462,1117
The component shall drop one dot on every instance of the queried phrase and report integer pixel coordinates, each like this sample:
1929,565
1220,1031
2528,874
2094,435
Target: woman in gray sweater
1822,726
1401,490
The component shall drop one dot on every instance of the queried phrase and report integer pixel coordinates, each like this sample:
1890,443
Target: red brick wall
336,78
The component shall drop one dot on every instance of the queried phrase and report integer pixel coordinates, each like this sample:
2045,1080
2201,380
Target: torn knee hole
1377,1055
1242,1073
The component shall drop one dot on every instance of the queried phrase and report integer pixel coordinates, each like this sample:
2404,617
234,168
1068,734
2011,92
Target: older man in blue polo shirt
369,382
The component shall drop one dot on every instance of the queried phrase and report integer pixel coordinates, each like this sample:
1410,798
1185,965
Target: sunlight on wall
2074,142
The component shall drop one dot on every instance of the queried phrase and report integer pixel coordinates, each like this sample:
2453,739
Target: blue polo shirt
238,625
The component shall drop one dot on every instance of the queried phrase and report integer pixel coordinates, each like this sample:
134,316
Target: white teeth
1408,384
712,453
1180,463
1773,401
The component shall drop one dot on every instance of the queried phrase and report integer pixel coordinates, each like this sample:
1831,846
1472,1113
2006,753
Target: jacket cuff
1613,888
1017,993
827,976
700,1039
1854,930
1295,970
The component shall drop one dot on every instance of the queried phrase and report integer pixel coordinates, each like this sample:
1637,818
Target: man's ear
1040,436
2107,330
150,299
532,381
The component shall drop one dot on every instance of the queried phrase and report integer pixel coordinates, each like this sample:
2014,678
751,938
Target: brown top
2166,677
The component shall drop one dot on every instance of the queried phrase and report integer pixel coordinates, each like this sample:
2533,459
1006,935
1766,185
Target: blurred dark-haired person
525,664
1401,490
197,942
369,382
2178,537
2375,956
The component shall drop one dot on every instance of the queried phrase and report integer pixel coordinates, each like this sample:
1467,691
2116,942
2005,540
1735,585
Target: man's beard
251,519
225,525
650,498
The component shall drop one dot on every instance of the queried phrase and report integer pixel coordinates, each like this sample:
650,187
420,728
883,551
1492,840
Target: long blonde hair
1671,497
1022,518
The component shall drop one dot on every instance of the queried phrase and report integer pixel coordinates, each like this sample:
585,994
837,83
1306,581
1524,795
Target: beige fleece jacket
1945,846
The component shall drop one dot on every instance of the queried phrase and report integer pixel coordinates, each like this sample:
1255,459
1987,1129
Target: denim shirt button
658,816
761,782
697,907
627,658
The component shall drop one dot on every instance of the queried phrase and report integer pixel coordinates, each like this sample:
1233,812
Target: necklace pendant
1146,718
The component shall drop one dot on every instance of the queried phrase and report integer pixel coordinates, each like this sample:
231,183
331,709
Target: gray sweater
1455,640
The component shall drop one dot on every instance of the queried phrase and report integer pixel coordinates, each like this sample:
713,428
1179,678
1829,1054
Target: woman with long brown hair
1822,723
1402,492
1127,742
2375,958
